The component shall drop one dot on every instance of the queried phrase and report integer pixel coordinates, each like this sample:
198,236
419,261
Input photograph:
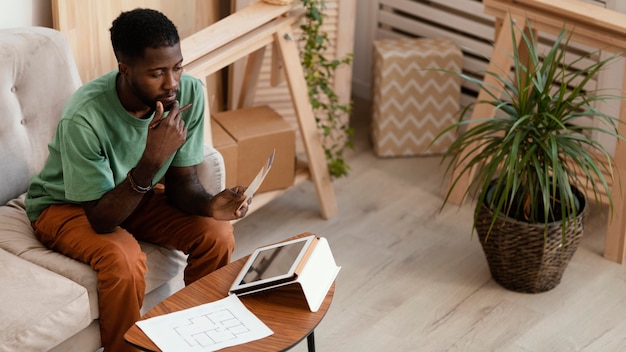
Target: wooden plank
344,42
230,28
217,58
549,17
306,121
469,43
470,7
579,11
501,60
248,87
442,16
615,240
276,76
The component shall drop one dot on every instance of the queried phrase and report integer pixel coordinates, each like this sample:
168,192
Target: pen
179,111
184,108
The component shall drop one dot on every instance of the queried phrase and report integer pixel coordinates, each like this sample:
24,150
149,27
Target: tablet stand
318,275
315,279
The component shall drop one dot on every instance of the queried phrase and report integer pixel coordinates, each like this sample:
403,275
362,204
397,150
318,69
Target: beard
150,101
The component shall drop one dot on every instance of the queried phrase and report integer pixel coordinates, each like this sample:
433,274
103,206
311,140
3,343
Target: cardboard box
412,101
227,146
258,131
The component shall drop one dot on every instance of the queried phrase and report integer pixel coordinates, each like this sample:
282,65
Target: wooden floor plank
415,279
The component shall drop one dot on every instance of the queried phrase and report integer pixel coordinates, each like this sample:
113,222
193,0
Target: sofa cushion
17,237
37,75
212,171
39,308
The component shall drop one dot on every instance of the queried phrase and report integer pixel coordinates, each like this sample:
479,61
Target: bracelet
137,188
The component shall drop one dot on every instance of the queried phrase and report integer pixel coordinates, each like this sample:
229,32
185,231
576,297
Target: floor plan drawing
212,328
204,328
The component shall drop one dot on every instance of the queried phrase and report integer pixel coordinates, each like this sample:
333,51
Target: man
118,135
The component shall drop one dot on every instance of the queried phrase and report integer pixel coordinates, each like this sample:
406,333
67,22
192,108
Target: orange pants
118,260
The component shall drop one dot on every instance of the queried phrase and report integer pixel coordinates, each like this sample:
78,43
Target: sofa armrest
212,170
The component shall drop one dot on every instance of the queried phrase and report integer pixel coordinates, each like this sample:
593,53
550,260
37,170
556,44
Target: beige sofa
48,302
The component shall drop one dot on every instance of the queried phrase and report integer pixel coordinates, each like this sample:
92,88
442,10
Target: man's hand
165,135
227,205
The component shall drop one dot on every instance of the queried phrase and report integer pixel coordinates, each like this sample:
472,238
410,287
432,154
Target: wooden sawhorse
246,33
590,25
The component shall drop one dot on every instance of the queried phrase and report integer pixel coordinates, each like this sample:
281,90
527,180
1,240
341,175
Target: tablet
273,265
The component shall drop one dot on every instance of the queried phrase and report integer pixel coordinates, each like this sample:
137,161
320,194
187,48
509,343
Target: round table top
284,310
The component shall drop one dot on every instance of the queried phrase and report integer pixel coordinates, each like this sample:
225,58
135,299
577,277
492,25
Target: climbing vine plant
336,133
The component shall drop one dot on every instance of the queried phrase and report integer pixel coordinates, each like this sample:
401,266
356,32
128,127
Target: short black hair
134,31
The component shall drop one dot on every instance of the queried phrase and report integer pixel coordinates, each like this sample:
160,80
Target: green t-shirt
97,141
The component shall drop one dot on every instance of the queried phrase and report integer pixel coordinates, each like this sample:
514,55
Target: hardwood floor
415,279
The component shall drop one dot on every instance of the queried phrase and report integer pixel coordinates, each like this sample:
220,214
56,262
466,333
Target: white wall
24,13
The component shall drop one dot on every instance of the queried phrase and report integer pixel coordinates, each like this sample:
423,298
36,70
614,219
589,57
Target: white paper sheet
208,327
258,179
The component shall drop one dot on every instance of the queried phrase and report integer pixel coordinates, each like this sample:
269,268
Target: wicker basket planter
526,257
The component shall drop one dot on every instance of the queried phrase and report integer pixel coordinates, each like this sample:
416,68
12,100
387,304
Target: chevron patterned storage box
411,102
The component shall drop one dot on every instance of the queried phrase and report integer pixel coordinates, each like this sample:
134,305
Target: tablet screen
273,262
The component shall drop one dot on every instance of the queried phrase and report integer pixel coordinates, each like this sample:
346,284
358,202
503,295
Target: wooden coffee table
283,310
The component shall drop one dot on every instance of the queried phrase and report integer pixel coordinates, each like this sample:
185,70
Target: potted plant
530,163
319,70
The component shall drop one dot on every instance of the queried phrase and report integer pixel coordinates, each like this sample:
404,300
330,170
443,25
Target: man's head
147,47
134,31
